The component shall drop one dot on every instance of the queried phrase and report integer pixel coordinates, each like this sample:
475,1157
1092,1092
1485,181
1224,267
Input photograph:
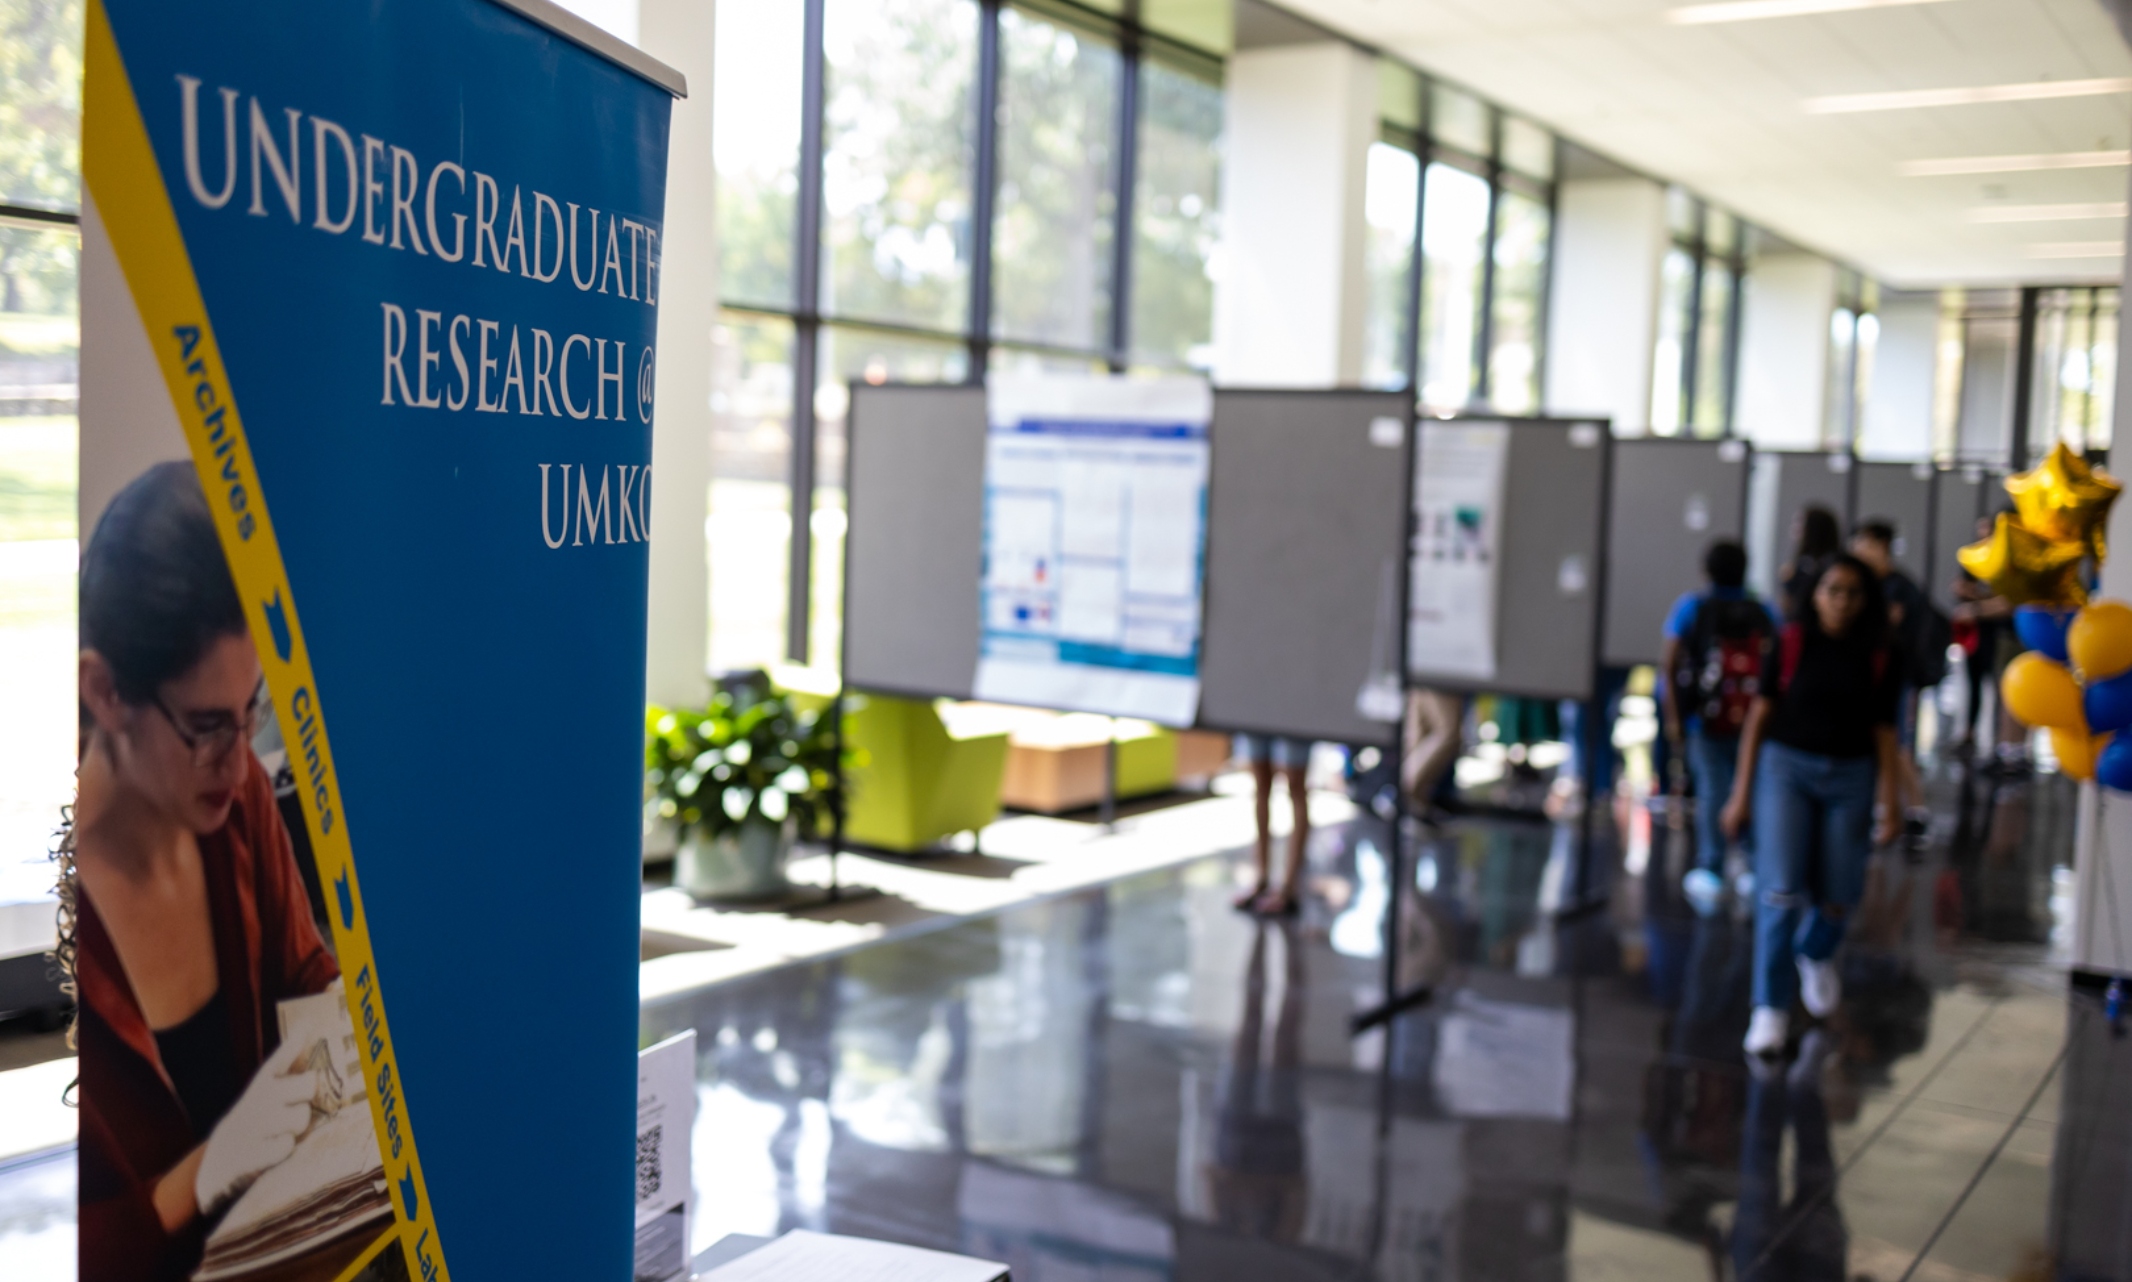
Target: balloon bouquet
2076,677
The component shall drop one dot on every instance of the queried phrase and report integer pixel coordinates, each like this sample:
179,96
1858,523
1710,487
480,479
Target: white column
679,33
1602,309
1898,409
2102,846
1784,346
1290,298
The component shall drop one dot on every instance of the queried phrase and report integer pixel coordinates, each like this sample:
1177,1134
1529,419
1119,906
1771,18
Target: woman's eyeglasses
211,734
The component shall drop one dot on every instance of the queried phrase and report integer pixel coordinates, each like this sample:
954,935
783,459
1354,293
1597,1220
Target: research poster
1458,516
370,310
1095,527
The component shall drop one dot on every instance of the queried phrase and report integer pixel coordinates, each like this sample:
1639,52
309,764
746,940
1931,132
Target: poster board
914,545
1549,551
1094,544
1785,483
430,595
1672,498
1964,495
1306,531
1900,493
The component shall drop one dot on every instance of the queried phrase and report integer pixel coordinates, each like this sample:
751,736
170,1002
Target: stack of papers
801,1256
333,1186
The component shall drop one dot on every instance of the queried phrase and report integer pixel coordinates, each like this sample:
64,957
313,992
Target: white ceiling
1720,109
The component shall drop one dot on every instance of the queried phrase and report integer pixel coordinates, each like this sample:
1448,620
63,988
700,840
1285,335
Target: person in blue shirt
1711,659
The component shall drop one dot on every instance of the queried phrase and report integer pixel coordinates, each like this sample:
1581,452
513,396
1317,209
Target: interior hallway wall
1292,287
1784,351
1898,410
1602,309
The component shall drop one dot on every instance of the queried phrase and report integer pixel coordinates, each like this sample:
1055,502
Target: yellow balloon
2100,640
2077,752
2042,693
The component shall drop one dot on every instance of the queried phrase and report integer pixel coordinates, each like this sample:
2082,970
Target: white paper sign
666,1114
1458,510
1095,544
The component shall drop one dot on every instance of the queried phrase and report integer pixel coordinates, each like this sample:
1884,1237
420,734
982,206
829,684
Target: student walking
1269,755
1716,642
1818,746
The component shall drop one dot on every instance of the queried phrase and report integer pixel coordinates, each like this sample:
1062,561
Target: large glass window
897,158
2075,367
750,524
1516,310
755,111
1391,192
1057,202
1175,225
40,360
1454,240
1669,357
1698,312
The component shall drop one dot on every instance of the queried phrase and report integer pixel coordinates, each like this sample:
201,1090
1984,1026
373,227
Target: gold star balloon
2024,567
2064,500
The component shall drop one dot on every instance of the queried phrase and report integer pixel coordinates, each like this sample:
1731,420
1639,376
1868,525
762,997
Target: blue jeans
1813,831
1713,762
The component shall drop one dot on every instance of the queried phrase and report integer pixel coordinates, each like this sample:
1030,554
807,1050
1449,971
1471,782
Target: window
1057,203
1693,359
755,142
40,360
1454,240
750,523
2075,369
1391,194
897,157
1515,310
1175,225
906,170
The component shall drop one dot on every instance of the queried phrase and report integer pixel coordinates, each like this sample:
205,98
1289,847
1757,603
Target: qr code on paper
649,1176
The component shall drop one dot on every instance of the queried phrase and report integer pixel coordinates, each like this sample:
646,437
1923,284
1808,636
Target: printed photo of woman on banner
224,1129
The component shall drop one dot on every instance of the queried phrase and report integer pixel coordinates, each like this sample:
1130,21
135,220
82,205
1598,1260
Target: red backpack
1721,670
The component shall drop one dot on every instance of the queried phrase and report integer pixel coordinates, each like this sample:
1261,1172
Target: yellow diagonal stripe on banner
120,170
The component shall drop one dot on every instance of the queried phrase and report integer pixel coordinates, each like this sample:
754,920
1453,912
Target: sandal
1248,901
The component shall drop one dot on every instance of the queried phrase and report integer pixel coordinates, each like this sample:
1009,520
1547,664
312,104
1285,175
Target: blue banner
399,263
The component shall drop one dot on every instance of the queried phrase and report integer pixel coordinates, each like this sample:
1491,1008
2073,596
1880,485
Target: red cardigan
133,1130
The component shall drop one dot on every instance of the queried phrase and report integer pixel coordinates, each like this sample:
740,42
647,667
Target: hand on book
260,1129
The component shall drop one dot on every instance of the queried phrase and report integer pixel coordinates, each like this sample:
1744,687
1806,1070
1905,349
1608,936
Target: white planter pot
749,864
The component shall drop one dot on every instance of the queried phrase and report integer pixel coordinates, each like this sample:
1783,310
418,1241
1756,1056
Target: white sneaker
1820,987
1703,889
1767,1030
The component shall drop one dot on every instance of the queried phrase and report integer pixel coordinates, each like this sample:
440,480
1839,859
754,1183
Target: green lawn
38,476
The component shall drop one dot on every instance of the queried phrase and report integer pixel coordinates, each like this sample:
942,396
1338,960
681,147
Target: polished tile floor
1132,1081
1135,1082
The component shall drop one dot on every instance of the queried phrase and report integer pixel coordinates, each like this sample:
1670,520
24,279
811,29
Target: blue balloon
2042,629
2114,768
2108,704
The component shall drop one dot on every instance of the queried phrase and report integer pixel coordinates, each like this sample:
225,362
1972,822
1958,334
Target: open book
330,1193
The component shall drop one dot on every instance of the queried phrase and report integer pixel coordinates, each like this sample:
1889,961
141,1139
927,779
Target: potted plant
739,781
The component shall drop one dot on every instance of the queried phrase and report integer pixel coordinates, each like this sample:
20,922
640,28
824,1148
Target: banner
355,865
1458,519
1094,544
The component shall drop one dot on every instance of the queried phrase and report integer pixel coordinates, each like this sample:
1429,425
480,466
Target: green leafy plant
748,756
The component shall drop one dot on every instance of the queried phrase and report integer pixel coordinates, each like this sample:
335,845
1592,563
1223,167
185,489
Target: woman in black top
1819,744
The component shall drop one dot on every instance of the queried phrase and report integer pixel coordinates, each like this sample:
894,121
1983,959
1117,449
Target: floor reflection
1138,1082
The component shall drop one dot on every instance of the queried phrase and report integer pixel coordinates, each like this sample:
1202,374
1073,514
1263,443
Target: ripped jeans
1813,832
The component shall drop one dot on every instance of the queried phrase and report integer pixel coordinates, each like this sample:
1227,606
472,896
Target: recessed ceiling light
1754,10
2077,249
2013,164
2045,213
2028,91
